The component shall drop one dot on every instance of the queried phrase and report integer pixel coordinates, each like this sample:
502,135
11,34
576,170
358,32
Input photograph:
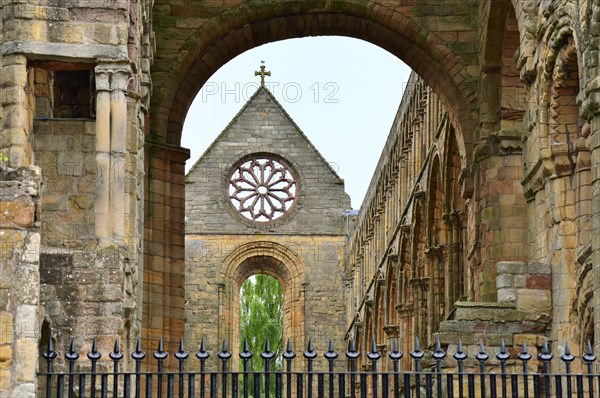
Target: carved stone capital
112,75
391,330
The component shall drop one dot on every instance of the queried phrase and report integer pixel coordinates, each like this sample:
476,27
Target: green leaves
261,317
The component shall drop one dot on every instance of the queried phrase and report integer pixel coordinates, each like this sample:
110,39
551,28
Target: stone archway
193,40
268,258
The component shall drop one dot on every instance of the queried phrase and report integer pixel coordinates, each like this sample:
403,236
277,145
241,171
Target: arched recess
436,245
366,343
391,290
569,184
405,307
420,279
585,307
503,94
379,310
269,258
504,98
566,126
200,50
570,141
459,282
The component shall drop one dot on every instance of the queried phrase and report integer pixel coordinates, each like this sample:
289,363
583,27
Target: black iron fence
483,375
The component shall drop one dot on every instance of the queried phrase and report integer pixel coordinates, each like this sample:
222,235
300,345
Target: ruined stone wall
19,280
519,81
558,157
427,240
518,219
74,92
406,261
65,150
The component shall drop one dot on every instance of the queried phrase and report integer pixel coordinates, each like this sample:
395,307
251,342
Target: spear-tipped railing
456,375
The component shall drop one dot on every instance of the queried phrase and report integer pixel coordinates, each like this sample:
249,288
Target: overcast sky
343,93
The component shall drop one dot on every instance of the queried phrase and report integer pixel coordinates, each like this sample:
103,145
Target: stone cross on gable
262,73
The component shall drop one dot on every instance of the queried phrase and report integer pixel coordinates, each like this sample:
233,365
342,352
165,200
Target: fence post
352,356
202,355
116,356
267,355
482,356
589,358
460,356
568,358
160,355
138,355
289,355
94,356
72,356
310,354
331,355
50,355
417,355
438,356
181,356
396,355
224,355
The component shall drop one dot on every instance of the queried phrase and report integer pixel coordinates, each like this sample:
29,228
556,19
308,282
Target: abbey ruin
482,220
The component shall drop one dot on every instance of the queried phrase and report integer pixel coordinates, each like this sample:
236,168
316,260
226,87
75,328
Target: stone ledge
61,51
495,312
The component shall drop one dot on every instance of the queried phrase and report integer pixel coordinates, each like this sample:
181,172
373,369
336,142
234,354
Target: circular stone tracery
262,189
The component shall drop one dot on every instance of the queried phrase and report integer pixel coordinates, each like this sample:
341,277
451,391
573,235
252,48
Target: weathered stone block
539,282
533,300
504,281
510,267
17,214
27,362
507,295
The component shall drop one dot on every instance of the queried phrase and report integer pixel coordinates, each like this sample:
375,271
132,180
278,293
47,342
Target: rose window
262,189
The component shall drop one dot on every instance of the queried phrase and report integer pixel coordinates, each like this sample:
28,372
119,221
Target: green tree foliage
261,317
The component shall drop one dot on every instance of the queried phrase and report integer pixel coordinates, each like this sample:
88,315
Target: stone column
102,204
499,208
111,137
164,262
118,139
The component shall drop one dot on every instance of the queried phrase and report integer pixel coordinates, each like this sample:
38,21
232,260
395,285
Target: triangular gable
264,90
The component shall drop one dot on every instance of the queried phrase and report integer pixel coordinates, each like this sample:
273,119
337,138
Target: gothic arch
435,208
565,134
182,71
565,124
379,321
272,259
405,307
391,290
458,283
420,279
436,244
